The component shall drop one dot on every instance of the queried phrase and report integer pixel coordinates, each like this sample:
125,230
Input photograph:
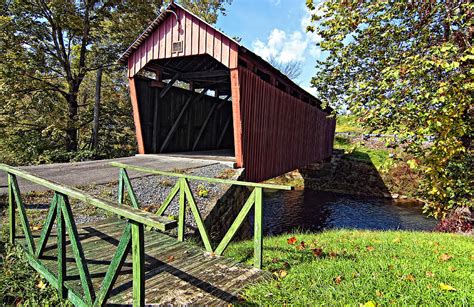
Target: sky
275,28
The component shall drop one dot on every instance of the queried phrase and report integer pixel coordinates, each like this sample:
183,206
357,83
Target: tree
49,49
291,69
406,66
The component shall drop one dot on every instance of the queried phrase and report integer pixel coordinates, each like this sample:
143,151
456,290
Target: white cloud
282,46
291,46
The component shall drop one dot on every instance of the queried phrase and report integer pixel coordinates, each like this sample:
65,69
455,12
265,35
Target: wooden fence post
258,229
11,209
138,254
61,237
182,210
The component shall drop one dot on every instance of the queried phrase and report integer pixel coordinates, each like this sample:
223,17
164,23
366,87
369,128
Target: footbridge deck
131,257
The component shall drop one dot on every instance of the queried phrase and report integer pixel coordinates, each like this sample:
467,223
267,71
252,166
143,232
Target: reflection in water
310,210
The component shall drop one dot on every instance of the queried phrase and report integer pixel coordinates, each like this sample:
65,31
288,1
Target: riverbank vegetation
356,267
406,69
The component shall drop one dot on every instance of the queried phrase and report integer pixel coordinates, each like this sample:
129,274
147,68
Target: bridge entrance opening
185,107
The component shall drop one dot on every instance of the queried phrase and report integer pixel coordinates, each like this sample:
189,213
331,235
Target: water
309,210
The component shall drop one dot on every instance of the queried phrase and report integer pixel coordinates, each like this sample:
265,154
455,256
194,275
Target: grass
363,267
22,285
378,157
348,123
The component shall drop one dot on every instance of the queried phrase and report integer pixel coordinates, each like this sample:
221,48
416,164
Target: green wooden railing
132,237
186,196
60,210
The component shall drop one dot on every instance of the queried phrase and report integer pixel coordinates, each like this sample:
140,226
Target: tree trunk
71,128
95,129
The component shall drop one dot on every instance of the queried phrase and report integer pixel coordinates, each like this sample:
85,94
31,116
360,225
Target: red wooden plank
195,36
149,49
162,42
225,51
217,46
234,55
279,132
136,67
210,40
130,66
136,116
188,43
156,44
181,31
168,34
202,37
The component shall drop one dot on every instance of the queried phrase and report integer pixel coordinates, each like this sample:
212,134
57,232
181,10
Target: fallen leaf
170,258
379,293
317,251
436,243
275,260
291,240
446,287
41,284
445,257
301,246
333,254
147,209
430,274
338,279
283,273
36,228
369,248
472,257
396,240
286,264
369,304
410,277
451,268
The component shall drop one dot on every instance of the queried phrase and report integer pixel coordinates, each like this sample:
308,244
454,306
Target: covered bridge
193,88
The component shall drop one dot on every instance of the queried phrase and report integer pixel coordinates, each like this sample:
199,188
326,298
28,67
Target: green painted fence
186,198
133,235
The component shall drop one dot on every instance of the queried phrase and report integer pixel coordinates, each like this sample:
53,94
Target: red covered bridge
219,95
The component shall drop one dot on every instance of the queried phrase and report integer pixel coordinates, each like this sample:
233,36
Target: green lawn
348,123
364,267
377,157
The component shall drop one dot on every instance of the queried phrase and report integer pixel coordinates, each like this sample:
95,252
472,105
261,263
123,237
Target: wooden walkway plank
174,272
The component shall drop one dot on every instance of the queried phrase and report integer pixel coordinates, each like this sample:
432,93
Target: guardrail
185,194
60,210
132,237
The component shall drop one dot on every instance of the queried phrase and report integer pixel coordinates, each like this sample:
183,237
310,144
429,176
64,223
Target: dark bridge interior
190,112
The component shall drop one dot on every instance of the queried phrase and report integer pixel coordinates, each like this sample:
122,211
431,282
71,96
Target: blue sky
275,28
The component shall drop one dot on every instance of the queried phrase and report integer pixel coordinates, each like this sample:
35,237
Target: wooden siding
196,35
280,133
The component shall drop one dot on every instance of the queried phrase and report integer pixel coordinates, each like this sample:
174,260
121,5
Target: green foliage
51,51
407,68
22,285
208,10
202,191
352,267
